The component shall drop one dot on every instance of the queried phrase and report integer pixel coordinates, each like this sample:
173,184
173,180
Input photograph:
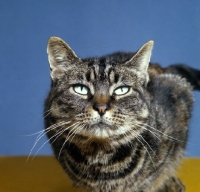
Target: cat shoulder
170,89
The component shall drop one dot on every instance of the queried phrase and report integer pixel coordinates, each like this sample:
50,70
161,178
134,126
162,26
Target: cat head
101,97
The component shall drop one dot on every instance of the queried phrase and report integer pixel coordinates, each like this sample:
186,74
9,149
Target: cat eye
121,90
81,89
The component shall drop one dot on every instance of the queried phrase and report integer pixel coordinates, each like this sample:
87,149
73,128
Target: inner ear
60,56
140,61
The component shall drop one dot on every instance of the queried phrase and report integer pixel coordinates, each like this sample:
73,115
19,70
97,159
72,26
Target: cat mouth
102,125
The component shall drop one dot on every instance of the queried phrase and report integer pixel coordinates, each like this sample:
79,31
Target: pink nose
101,108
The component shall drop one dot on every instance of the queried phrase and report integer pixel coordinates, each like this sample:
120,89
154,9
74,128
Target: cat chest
104,166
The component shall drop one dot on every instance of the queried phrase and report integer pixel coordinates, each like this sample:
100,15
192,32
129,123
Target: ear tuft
60,56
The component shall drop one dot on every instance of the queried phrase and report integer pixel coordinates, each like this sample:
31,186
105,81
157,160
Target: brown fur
116,123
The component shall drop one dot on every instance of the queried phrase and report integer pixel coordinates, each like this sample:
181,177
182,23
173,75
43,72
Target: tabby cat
117,123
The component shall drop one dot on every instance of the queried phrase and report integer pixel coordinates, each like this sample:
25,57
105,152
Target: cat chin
103,125
101,129
106,131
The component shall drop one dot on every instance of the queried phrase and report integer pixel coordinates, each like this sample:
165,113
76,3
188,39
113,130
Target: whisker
49,111
73,134
42,133
76,131
152,116
59,132
36,133
148,145
146,150
153,133
63,130
51,128
163,133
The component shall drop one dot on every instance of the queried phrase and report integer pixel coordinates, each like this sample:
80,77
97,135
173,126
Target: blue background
91,28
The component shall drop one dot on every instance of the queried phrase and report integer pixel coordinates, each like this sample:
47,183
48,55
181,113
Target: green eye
121,90
81,89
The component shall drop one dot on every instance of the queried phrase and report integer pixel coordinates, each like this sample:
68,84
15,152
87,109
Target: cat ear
60,56
141,59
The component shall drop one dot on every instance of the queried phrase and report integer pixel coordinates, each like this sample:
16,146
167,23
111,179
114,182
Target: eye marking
81,89
121,90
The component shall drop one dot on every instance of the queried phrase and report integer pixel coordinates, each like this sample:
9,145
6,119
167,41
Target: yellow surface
43,174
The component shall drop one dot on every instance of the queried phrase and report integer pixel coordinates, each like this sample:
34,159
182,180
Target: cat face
99,96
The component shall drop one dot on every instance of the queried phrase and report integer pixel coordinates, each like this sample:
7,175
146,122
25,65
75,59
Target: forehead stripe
102,66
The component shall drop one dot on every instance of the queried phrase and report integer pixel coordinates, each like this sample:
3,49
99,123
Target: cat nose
101,108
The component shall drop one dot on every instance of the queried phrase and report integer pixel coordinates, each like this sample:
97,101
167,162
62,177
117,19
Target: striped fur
107,142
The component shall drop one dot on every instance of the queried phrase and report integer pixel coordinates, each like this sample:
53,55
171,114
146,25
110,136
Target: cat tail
192,75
